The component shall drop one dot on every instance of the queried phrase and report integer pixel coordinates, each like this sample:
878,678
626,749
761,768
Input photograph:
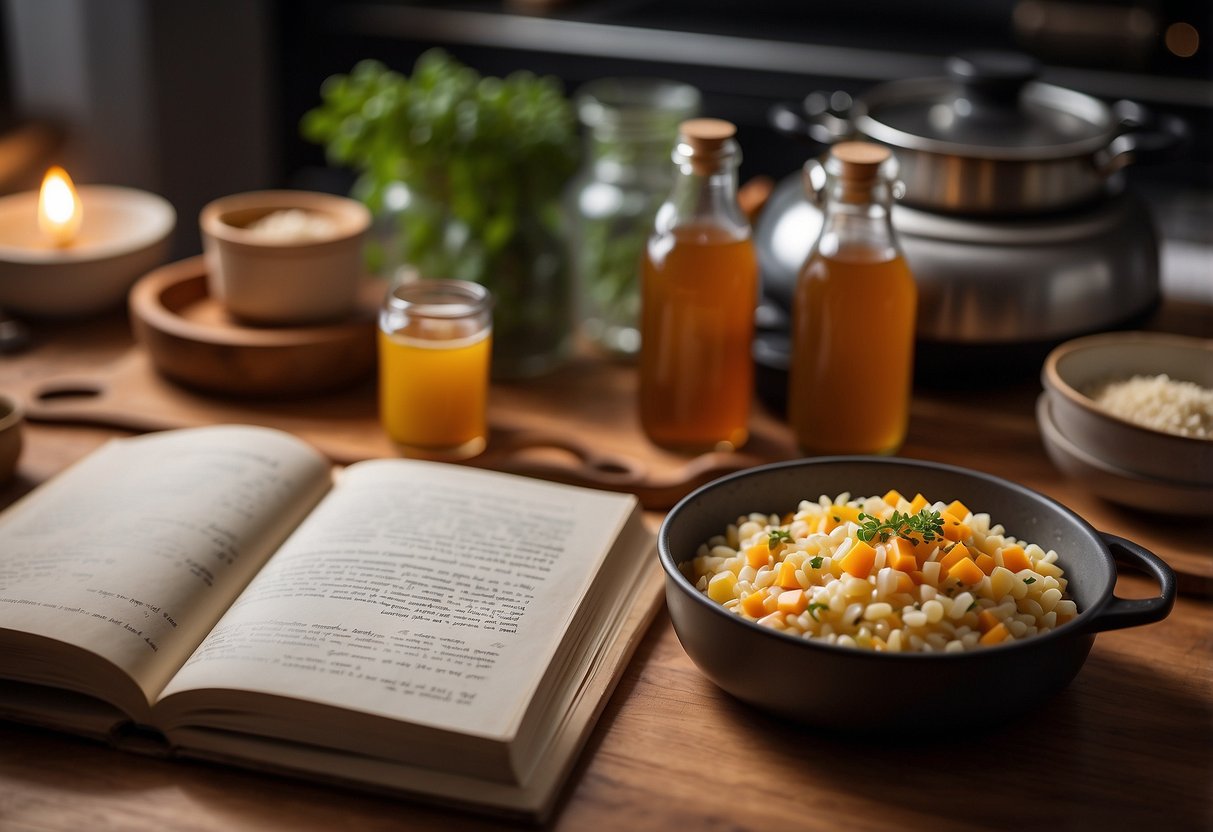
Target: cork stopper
857,168
709,140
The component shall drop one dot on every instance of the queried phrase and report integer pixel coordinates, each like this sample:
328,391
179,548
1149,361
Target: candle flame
59,209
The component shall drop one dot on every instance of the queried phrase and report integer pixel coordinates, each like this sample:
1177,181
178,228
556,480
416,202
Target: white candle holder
125,234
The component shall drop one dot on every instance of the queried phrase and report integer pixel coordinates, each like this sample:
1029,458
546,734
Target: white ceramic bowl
124,235
1077,367
276,281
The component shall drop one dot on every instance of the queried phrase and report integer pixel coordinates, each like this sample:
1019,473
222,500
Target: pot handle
822,118
1124,612
1149,137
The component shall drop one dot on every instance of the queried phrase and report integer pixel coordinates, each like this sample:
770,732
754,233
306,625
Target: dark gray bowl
834,686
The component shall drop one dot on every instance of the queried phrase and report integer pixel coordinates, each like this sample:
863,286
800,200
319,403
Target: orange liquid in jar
699,288
852,353
433,388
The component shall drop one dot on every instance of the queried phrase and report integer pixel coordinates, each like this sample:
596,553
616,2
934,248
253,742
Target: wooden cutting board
576,426
579,426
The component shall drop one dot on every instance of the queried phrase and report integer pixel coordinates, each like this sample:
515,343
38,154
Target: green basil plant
470,170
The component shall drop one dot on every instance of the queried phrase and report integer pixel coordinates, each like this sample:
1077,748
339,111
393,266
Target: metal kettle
1014,248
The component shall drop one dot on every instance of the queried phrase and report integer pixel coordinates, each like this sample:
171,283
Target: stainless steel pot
989,139
988,281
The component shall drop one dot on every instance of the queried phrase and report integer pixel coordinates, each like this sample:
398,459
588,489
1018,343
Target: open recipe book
405,626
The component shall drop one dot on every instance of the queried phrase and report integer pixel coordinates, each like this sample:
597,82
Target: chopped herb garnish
972,607
815,562
813,608
926,524
1029,580
778,536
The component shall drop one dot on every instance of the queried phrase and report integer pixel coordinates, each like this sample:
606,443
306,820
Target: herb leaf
813,608
926,524
815,563
778,536
1029,580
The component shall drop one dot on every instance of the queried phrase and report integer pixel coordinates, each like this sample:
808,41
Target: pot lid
988,106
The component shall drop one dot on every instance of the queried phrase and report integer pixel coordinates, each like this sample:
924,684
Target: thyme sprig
926,524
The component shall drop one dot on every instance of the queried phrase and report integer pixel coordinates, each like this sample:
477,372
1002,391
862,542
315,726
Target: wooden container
193,340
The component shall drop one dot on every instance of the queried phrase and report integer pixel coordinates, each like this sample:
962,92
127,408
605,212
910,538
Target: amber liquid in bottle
853,346
697,324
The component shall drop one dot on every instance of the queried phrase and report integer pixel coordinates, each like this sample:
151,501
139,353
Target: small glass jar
435,341
630,125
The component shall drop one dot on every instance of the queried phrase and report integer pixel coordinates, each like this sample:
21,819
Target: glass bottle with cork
699,288
853,312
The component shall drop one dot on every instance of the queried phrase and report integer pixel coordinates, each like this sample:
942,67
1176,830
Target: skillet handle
1123,612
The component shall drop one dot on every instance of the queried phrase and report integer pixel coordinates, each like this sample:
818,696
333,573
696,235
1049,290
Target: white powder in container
293,225
1160,402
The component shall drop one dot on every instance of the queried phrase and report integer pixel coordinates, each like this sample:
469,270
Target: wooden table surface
1128,745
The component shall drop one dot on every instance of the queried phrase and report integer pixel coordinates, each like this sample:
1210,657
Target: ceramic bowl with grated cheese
1140,403
855,592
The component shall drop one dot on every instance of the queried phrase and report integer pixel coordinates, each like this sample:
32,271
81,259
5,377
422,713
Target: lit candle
55,265
59,210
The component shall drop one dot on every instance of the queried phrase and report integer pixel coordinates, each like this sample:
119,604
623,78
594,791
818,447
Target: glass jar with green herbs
630,126
470,172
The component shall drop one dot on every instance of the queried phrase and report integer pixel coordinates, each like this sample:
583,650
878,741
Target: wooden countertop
1128,743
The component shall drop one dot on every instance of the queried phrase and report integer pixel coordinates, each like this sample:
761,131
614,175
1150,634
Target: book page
418,591
134,553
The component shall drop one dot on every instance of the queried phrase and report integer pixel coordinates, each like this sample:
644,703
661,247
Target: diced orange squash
918,504
997,633
899,554
966,571
924,549
917,577
1015,559
892,497
793,601
836,516
759,554
957,553
953,528
786,576
986,621
958,510
754,604
859,560
985,563
905,582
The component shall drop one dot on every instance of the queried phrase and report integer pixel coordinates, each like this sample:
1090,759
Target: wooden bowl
192,340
